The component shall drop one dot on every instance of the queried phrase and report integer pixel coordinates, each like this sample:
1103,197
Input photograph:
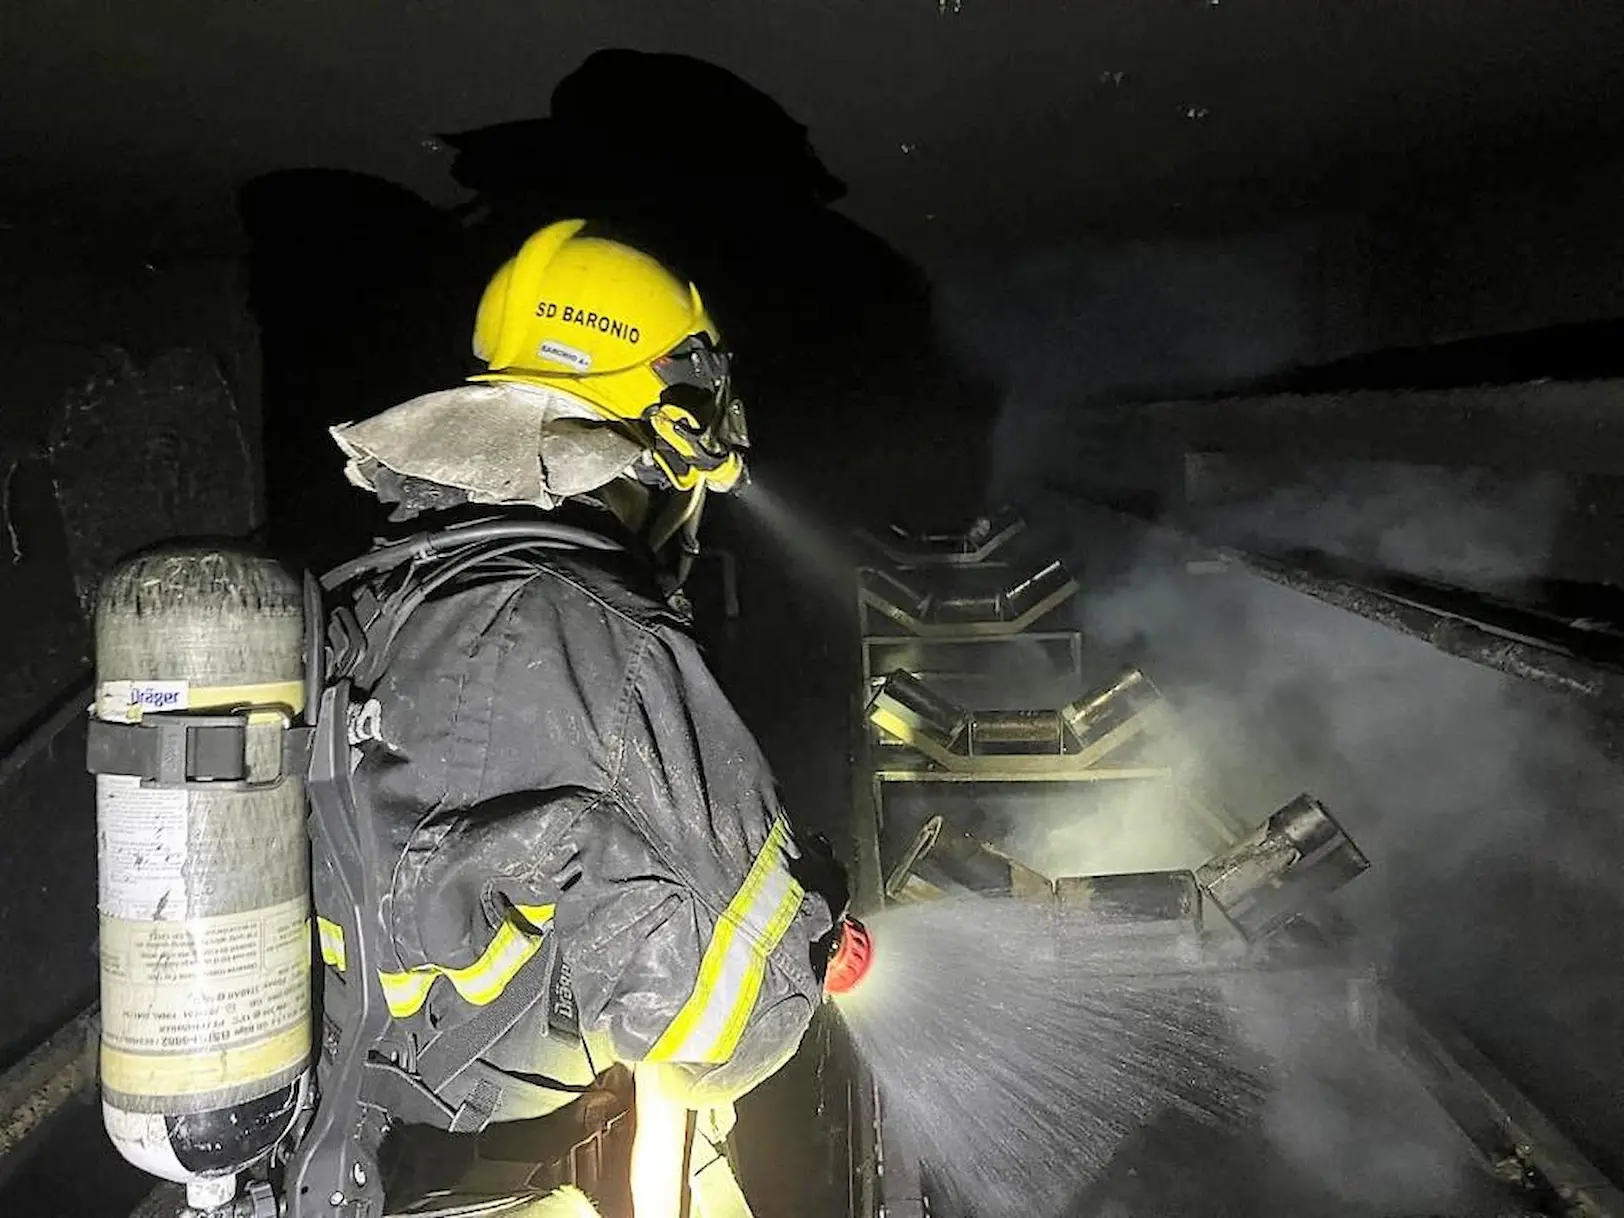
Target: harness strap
451,1052
446,1087
403,1097
465,1104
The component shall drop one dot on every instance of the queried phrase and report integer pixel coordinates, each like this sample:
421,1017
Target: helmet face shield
733,429
698,375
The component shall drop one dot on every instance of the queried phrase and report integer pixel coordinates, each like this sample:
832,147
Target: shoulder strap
446,1085
453,1050
360,633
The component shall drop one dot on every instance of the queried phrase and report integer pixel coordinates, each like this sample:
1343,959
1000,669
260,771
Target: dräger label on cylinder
128,700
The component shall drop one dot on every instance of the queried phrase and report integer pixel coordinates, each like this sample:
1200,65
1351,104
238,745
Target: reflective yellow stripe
709,1026
405,992
537,915
331,935
481,982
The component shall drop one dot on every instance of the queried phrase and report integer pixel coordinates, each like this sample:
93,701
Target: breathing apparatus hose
427,545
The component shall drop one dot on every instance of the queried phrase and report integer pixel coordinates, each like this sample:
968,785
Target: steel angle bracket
975,545
1006,611
975,659
1070,742
1517,1139
963,862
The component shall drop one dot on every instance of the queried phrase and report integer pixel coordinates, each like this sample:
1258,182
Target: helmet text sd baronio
610,325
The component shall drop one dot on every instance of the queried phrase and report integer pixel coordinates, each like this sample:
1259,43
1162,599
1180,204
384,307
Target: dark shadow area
1578,352
349,279
732,195
366,293
131,415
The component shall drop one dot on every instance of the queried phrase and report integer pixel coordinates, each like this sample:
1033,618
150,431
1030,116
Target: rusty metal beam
1520,643
1568,426
67,708
1506,1127
1453,621
43,1083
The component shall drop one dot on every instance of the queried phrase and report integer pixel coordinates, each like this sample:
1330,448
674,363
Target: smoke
1343,1116
807,551
1487,806
1475,527
1088,325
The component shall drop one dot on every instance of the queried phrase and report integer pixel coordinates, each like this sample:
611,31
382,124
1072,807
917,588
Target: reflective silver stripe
405,992
710,1023
481,982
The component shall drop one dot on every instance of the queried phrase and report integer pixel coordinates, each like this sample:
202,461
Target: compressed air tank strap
177,750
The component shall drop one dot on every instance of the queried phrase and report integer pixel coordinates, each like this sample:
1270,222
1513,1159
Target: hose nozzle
850,958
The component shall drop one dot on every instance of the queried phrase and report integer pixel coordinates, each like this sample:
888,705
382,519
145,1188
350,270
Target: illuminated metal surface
943,858
973,658
1295,857
978,602
915,771
902,884
1016,745
975,545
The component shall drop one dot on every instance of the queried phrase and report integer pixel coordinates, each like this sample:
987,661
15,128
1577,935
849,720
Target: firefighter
576,849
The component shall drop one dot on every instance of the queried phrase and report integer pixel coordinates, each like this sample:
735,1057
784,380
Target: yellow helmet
610,325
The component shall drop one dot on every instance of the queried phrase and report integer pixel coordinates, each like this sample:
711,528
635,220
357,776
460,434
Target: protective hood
500,443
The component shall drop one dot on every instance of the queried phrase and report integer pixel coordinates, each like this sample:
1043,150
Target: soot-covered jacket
548,755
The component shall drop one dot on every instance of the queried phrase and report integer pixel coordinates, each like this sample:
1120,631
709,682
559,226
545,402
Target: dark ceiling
968,121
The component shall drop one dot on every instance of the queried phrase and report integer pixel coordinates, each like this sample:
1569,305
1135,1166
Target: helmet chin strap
677,526
678,520
667,521
630,501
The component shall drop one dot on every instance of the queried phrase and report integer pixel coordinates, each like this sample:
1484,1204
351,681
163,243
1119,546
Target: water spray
813,555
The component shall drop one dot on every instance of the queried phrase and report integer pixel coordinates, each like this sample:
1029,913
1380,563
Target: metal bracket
333,1170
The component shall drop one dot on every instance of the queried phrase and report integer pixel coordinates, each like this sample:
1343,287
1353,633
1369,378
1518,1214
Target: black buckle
180,749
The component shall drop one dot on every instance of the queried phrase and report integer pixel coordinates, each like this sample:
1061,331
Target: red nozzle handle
850,960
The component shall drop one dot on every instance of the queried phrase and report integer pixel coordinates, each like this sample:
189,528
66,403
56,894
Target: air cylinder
204,881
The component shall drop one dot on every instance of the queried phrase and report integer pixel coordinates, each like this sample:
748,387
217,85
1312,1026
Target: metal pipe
1038,729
